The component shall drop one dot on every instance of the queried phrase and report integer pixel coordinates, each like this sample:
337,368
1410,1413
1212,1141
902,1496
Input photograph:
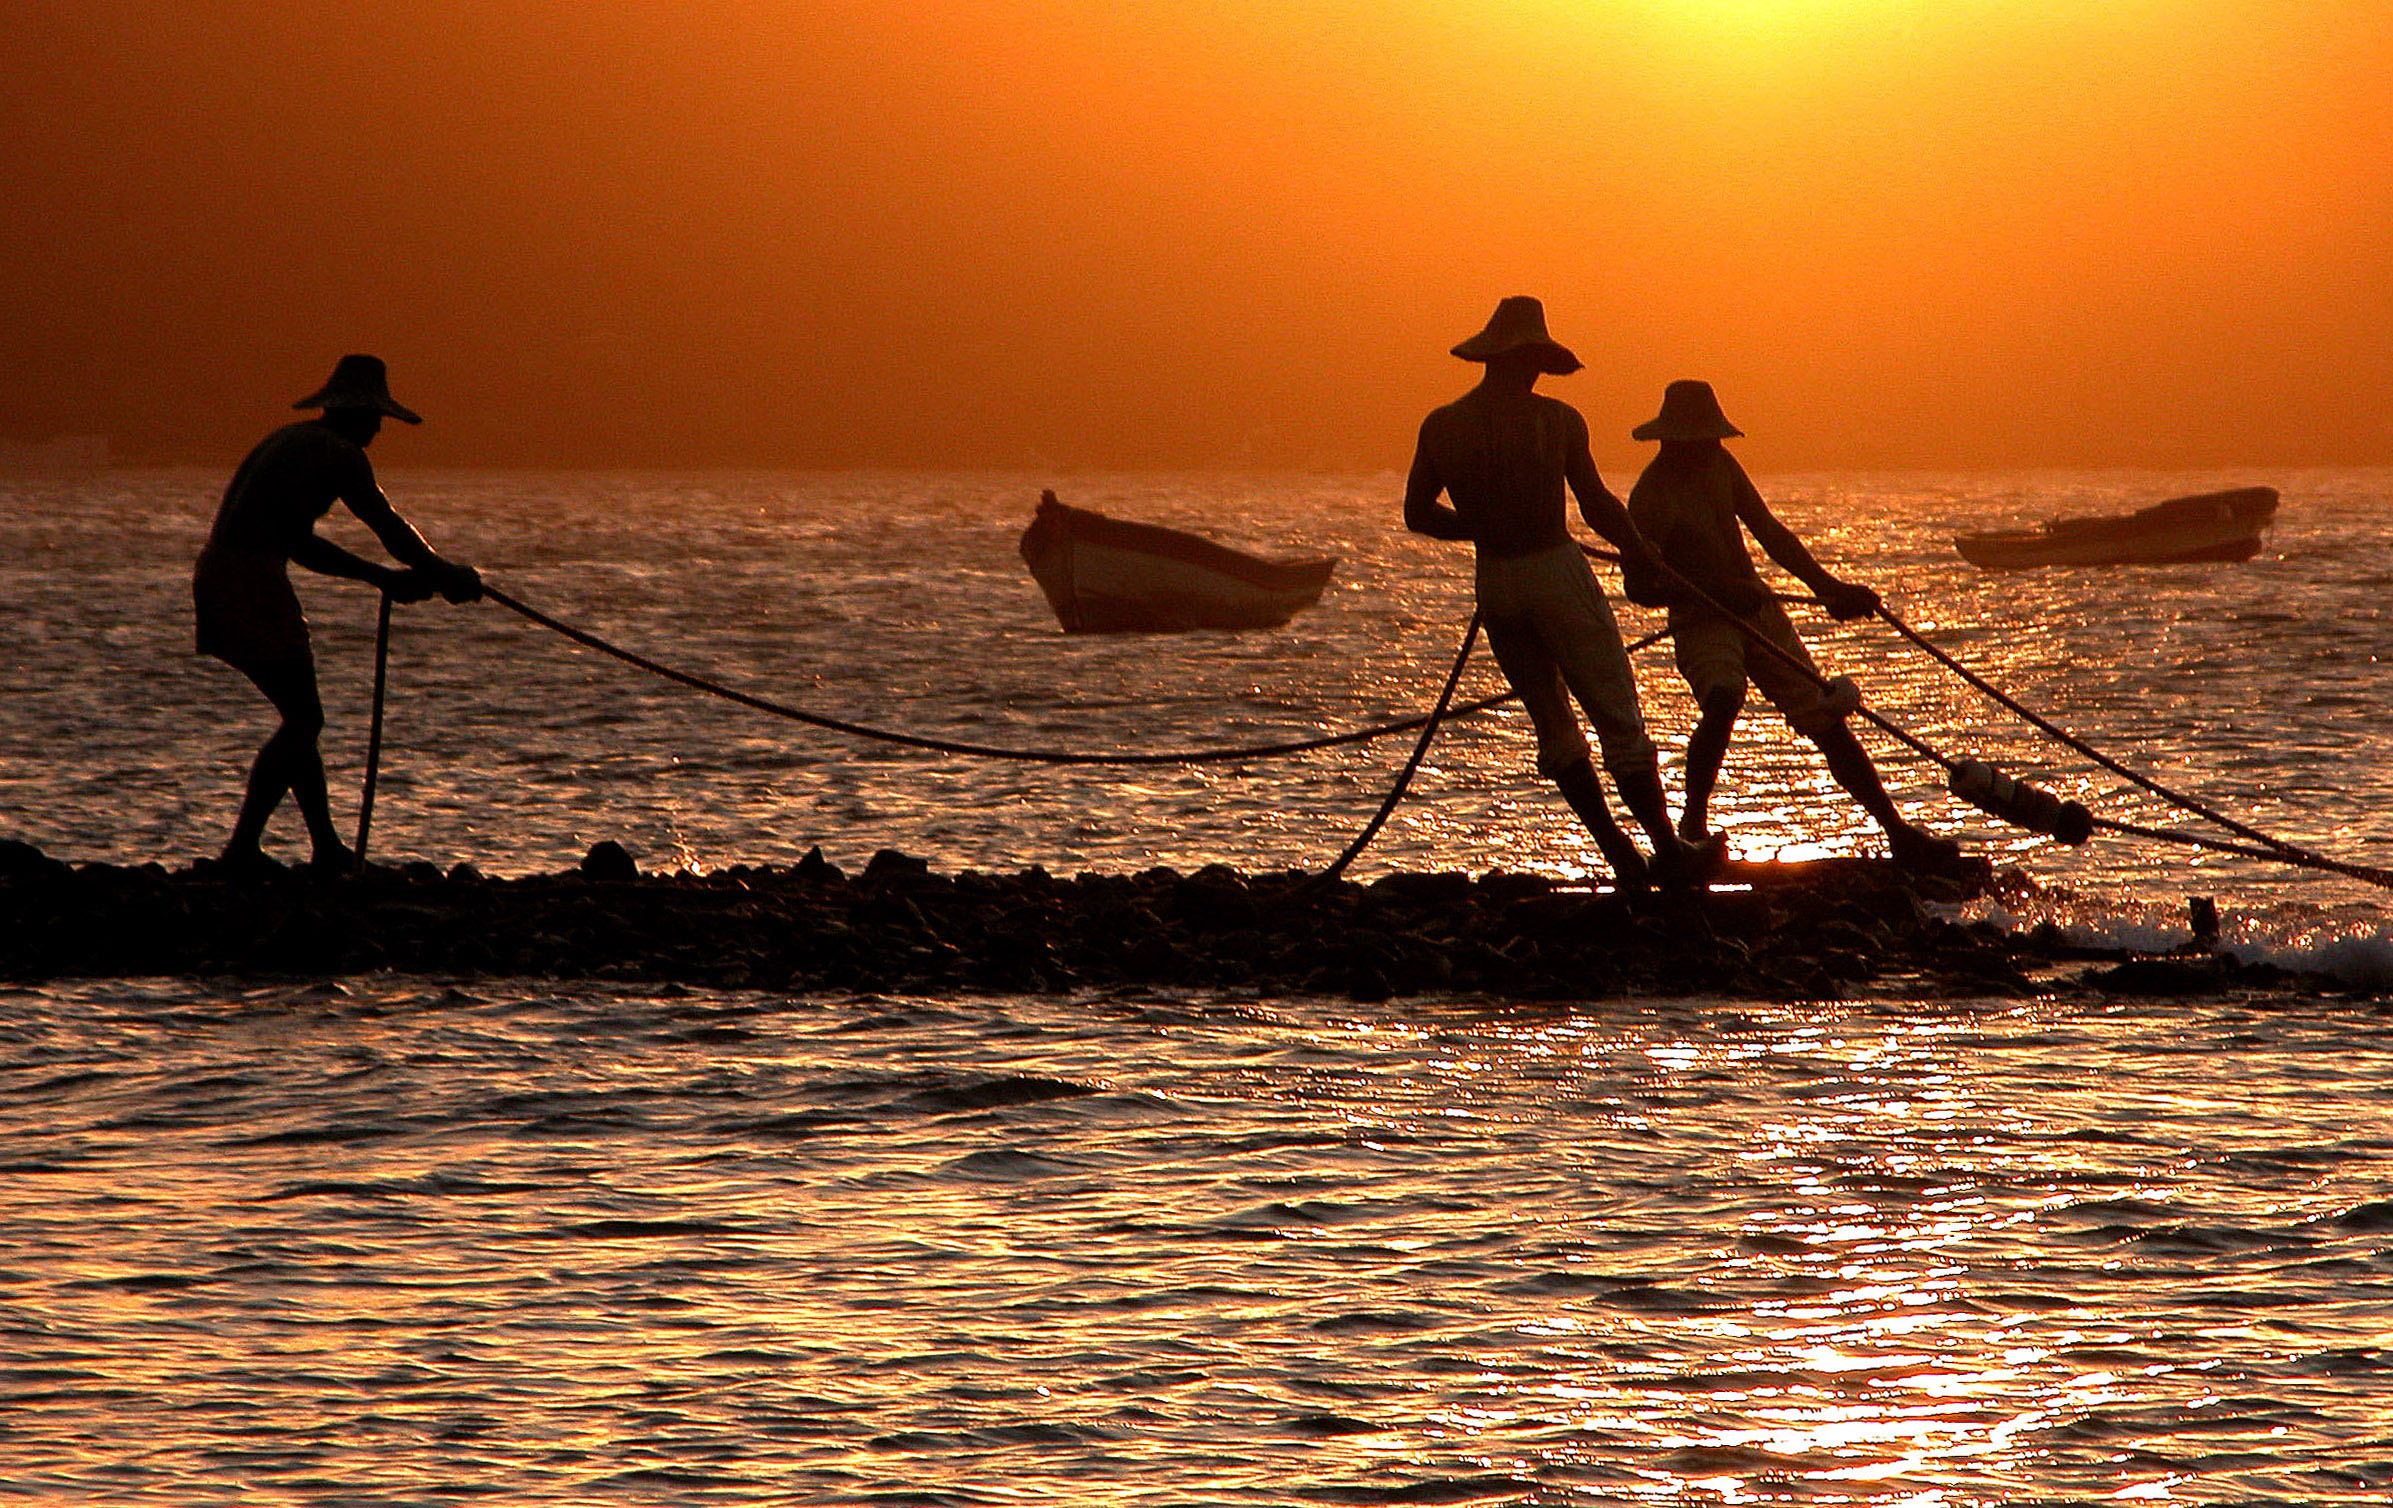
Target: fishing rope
1404,777
2069,740
2269,848
1428,724
382,664
950,746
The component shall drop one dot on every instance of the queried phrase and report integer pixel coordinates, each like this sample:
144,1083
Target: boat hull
1104,575
2209,526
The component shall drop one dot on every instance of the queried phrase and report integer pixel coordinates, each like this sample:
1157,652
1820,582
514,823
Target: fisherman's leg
1707,746
1850,763
1636,771
1585,794
291,761
259,798
1711,657
1638,778
270,772
1562,753
1798,692
1596,667
327,850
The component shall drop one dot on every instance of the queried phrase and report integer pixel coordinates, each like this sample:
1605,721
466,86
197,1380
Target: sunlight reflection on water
898,601
405,1241
581,1244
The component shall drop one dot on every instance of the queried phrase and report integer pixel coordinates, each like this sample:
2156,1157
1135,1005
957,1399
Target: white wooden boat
1106,575
2206,526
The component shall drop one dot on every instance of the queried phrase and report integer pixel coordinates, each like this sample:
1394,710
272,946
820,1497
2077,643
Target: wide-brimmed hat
1689,412
360,382
1519,325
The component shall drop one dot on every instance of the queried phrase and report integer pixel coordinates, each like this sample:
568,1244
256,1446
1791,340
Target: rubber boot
1586,797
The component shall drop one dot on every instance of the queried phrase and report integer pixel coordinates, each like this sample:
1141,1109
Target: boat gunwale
1249,591
2133,538
1087,526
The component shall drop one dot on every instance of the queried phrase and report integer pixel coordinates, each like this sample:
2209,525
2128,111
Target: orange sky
1057,233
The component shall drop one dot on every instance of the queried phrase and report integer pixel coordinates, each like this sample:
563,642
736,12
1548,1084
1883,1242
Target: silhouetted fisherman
1694,502
248,614
1504,453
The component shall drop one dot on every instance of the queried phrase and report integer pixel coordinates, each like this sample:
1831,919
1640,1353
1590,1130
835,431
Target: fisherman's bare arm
1423,513
1603,511
456,582
321,555
398,536
1641,571
1843,599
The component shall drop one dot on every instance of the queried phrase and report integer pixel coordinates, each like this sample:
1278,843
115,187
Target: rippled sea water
394,1240
387,1242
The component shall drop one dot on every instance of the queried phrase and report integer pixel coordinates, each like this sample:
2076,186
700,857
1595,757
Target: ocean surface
405,1240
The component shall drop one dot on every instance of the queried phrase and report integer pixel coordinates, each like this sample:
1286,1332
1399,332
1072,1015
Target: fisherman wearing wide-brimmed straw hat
1517,328
359,382
248,615
1505,454
1695,502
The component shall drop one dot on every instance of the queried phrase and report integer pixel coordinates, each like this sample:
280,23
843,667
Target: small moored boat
1106,575
2206,526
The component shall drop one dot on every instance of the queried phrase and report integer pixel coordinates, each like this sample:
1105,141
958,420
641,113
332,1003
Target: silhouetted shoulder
291,478
1566,420
1446,426
309,454
1446,416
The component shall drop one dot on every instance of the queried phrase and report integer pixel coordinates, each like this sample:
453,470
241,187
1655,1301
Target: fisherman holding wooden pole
1504,454
248,615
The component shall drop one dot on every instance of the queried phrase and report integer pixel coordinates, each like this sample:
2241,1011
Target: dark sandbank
1828,929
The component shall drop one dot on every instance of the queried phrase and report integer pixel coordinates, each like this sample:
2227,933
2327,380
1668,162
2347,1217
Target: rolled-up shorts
1716,658
246,612
1553,634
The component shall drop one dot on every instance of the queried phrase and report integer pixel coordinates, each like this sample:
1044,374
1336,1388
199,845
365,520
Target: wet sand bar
1827,929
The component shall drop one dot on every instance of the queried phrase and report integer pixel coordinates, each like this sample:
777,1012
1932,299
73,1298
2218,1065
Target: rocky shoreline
1829,929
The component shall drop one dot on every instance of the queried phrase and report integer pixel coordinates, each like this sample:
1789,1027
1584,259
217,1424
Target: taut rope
2269,848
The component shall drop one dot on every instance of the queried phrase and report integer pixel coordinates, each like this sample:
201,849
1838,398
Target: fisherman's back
1686,503
288,481
1502,459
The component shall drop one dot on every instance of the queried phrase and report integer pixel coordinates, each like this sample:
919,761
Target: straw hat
360,382
1689,412
1519,324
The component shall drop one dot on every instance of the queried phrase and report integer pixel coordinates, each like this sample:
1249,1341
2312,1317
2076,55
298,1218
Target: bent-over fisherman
1695,503
248,615
1504,454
